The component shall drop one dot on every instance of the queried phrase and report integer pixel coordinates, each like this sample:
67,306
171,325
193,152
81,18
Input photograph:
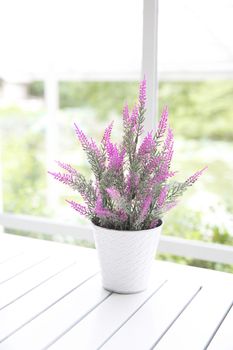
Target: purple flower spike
162,123
93,146
67,167
147,144
115,157
153,164
126,116
145,206
192,179
78,207
107,134
134,118
113,193
169,139
90,146
162,197
131,120
142,93
64,178
82,137
86,144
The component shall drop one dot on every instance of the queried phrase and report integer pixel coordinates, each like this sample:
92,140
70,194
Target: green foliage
36,89
199,109
191,104
196,262
15,113
104,97
192,225
23,174
221,236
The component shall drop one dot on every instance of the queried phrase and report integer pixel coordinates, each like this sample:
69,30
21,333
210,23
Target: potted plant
130,192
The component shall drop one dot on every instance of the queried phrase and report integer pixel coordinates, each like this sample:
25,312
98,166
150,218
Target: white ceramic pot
126,257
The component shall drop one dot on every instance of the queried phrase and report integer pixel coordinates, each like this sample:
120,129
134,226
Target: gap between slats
37,285
48,307
91,310
25,269
76,322
218,326
10,257
176,318
128,318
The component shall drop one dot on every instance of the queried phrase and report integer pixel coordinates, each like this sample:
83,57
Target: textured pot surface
126,257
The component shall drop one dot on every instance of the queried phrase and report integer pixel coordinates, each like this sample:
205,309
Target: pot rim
127,231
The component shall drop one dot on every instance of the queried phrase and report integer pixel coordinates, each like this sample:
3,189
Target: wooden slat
12,243
68,310
29,306
49,248
45,328
223,339
93,330
29,279
71,310
197,324
18,264
135,320
7,255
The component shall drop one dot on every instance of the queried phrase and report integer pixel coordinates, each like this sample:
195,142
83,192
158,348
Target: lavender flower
145,207
162,197
134,118
166,158
126,116
142,93
67,167
147,145
66,179
99,210
131,190
162,123
107,134
78,207
113,193
82,137
115,157
95,157
192,179
153,163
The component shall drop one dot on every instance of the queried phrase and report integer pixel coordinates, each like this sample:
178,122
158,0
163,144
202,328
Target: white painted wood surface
201,318
51,298
223,338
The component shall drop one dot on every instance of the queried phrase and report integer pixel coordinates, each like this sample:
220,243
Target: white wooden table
51,298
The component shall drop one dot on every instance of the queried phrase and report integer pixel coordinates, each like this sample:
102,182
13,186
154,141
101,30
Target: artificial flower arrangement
132,189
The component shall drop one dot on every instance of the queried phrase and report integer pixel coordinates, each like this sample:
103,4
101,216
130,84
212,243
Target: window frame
173,245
